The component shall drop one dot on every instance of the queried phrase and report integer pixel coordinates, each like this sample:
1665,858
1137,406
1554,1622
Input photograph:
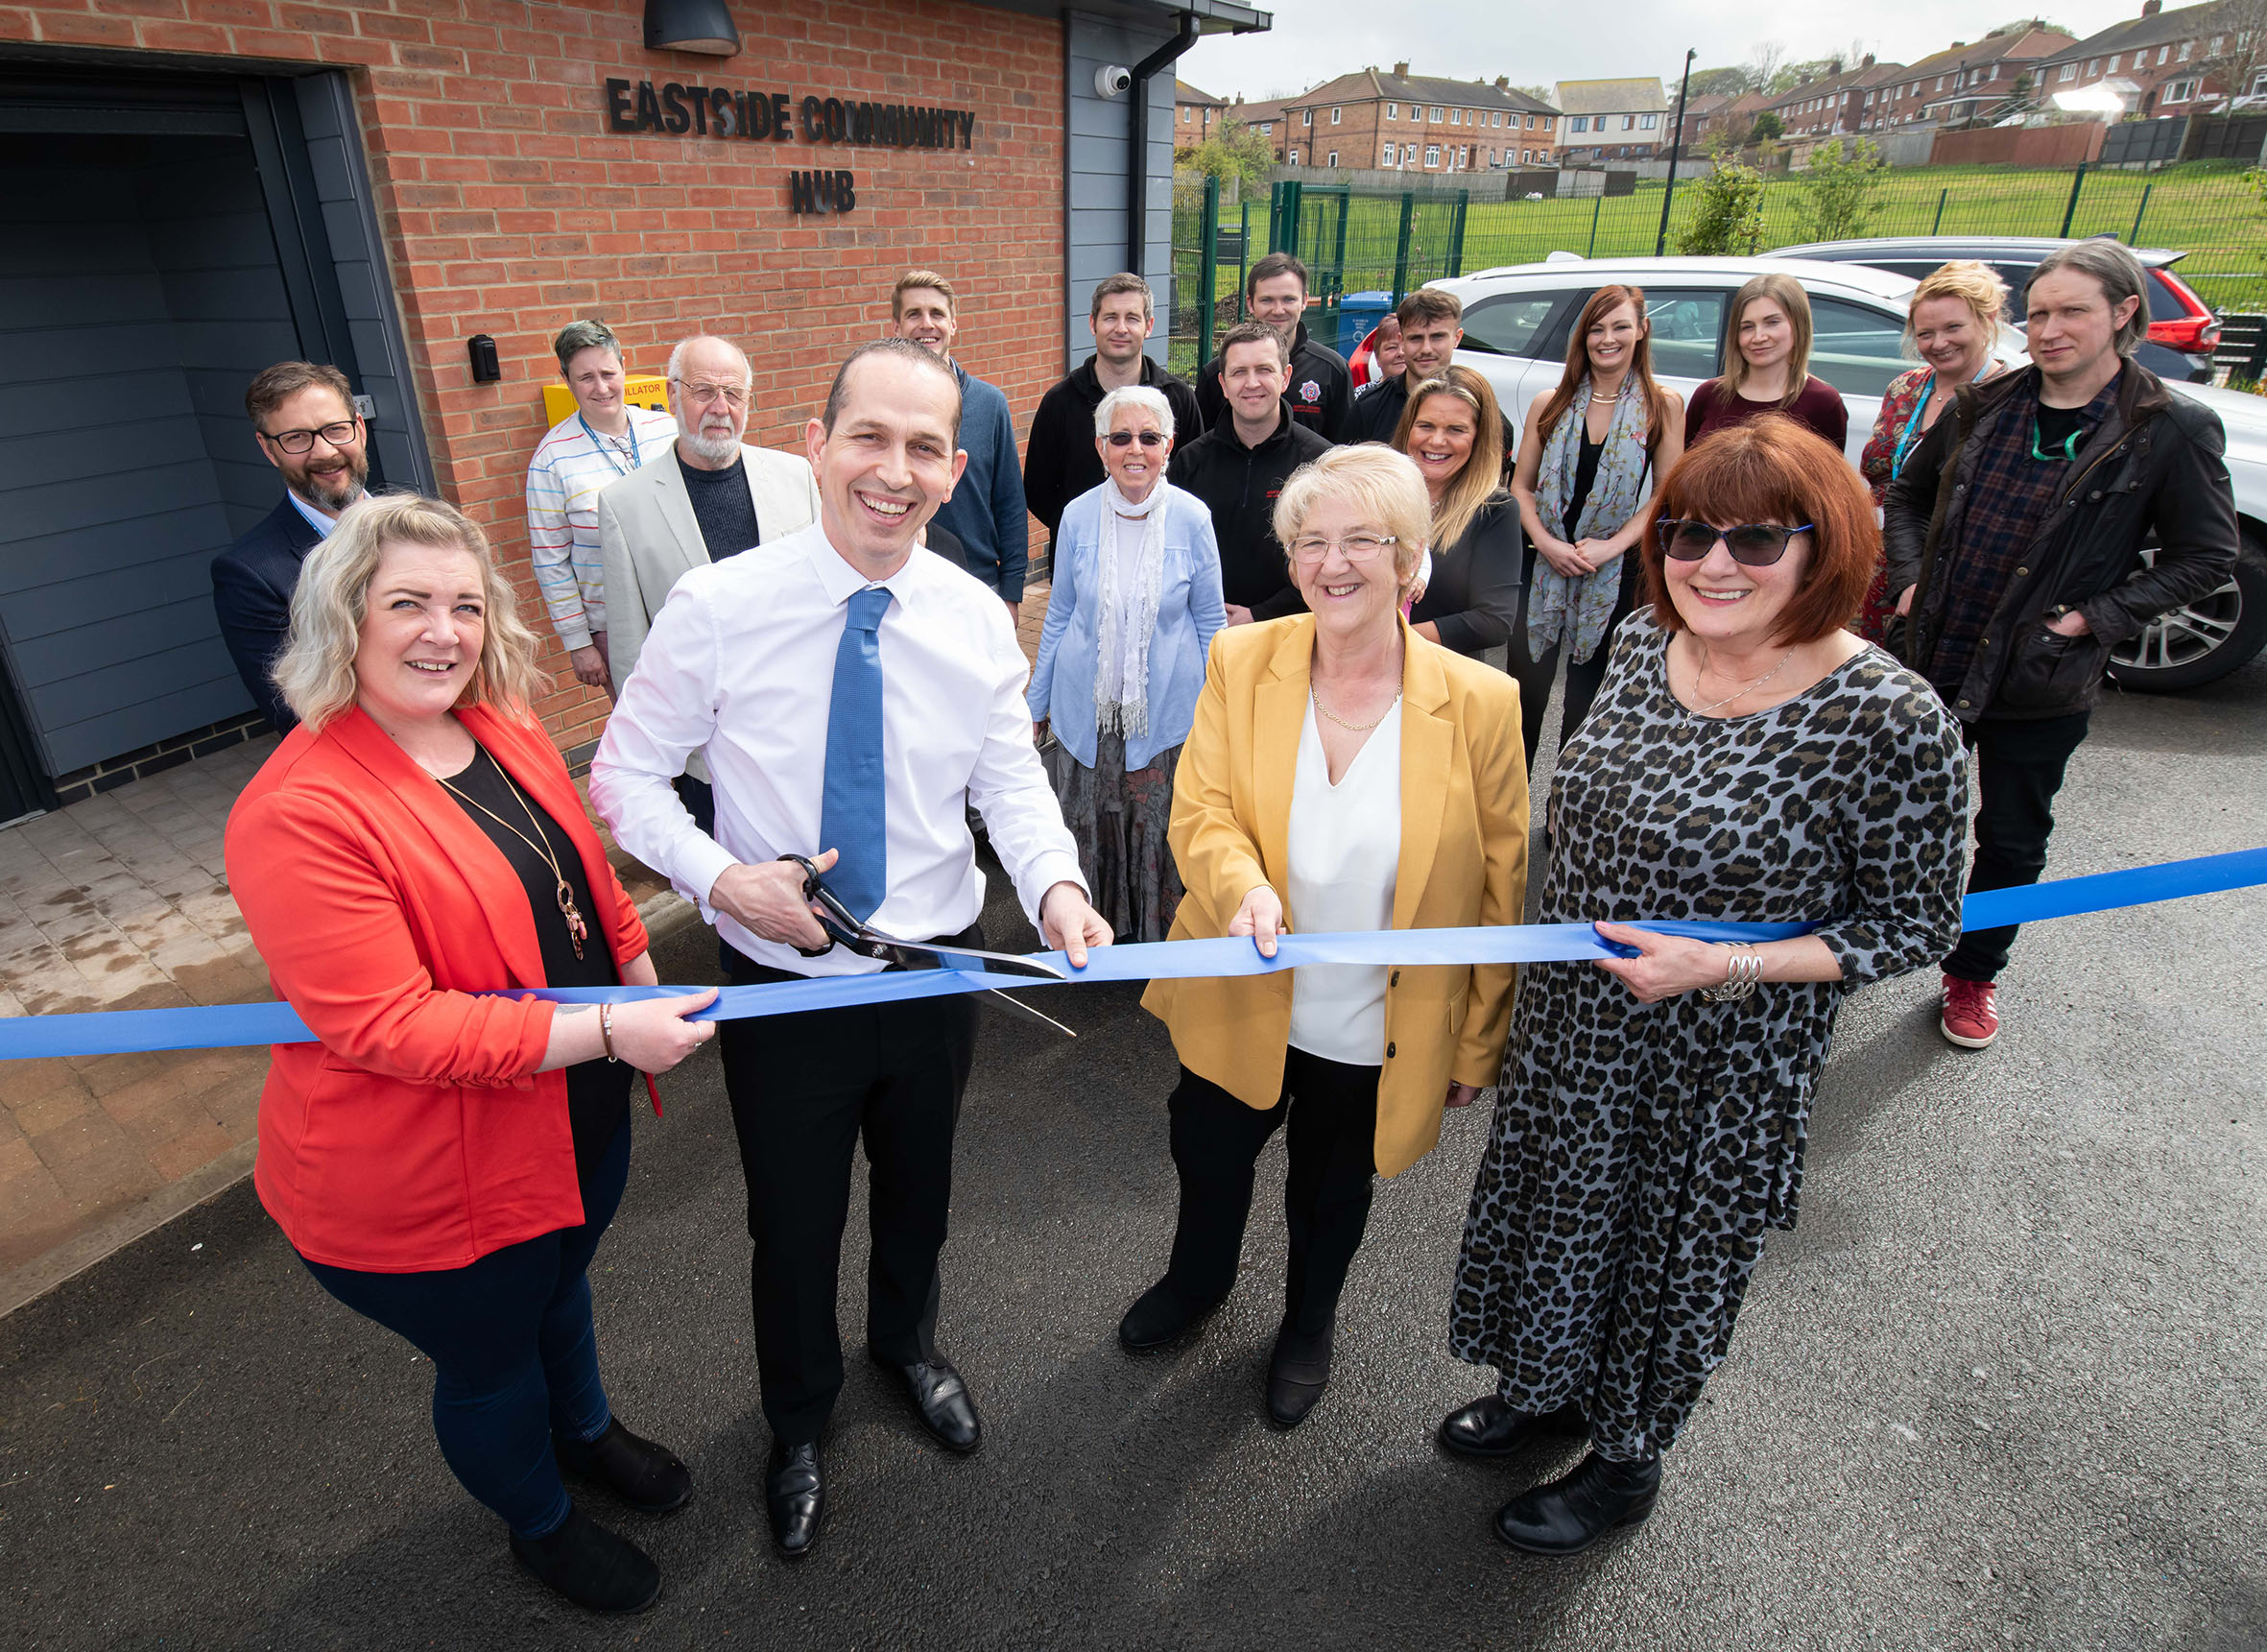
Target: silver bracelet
1743,970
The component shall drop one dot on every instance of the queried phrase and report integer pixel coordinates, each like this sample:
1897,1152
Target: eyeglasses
1754,544
339,435
701,394
1147,438
1354,547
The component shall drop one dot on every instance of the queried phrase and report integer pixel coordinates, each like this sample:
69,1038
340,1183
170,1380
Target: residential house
1984,80
1713,116
1612,120
1264,116
1834,103
1196,115
1417,123
2160,63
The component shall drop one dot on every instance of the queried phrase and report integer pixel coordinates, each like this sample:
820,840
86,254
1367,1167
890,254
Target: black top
1377,410
2056,431
1473,594
252,586
1586,476
1060,463
1238,486
1320,395
722,502
598,1092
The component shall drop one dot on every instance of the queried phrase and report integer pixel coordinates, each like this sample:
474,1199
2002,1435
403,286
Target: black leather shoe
1297,1374
1576,1510
794,1492
1488,1428
590,1566
940,1398
1160,1316
647,1477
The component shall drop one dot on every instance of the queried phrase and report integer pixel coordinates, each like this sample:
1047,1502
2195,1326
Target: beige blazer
1463,862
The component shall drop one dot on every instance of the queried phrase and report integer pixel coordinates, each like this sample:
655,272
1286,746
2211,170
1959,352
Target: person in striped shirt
604,437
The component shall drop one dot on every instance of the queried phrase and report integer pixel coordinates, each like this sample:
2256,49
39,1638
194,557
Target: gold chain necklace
578,931
1315,694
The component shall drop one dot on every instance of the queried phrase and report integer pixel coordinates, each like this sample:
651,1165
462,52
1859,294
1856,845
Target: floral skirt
1878,608
1118,821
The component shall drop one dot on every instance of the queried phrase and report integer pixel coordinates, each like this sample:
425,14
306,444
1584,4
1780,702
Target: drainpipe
1137,149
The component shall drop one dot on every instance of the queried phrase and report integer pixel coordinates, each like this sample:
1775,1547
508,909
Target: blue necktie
854,811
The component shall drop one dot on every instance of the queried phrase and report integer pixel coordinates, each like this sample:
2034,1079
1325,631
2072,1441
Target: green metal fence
1355,242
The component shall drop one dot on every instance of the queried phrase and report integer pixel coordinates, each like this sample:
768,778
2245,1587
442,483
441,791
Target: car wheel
2205,640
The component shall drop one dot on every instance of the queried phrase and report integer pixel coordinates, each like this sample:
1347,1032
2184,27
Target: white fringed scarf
1128,617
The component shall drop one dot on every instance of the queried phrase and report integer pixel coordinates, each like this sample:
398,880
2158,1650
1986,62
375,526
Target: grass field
2206,208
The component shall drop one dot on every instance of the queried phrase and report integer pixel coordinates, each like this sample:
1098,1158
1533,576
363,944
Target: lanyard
613,455
1897,460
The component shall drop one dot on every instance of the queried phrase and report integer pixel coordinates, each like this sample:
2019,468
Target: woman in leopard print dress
1747,760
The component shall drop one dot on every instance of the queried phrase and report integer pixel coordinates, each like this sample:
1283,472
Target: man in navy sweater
986,511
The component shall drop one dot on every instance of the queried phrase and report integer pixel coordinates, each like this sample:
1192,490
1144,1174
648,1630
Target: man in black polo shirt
1239,465
1319,387
2013,539
1432,326
1060,463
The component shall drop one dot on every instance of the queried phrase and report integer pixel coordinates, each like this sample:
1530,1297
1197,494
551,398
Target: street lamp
1660,242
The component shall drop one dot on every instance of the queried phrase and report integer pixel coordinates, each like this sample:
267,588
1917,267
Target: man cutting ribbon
852,700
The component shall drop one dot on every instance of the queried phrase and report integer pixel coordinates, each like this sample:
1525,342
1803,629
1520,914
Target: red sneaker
1972,1013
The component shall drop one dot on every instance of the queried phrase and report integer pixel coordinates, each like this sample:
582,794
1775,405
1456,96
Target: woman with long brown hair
1452,428
1591,447
1767,367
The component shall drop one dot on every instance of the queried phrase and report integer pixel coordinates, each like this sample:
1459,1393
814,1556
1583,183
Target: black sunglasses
1147,438
1756,544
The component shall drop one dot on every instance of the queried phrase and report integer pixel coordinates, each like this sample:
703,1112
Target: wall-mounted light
691,26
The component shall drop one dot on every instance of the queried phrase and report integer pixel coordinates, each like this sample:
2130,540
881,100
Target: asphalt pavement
2001,1388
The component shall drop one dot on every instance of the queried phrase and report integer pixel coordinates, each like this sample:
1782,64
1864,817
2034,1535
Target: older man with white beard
712,498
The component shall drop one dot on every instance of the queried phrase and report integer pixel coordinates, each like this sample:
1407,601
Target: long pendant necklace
578,931
1744,689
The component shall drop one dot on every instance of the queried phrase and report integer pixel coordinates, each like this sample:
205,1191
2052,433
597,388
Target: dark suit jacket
252,586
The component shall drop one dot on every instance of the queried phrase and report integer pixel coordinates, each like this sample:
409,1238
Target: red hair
1768,469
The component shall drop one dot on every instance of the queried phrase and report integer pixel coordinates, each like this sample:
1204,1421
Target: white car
1517,321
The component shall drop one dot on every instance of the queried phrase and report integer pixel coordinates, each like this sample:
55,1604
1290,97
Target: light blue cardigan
1189,614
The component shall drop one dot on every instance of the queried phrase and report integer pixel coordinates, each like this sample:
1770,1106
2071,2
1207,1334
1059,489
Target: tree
1838,190
1234,151
1768,127
2242,57
1729,215
1541,94
1763,64
1719,82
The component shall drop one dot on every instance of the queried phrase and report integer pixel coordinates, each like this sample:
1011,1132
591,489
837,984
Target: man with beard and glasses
855,699
712,498
302,415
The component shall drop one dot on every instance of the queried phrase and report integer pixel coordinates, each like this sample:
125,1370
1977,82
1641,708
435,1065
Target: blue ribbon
118,1032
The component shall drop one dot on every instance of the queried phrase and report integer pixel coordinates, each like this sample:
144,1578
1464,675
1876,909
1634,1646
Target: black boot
646,1477
590,1566
1161,1315
795,1493
1297,1374
1577,1509
1488,1428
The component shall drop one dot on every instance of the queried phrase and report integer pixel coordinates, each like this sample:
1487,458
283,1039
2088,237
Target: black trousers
805,1090
1331,1136
1582,676
2019,767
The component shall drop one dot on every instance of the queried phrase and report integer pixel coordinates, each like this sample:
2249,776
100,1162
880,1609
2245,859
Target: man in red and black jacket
2014,537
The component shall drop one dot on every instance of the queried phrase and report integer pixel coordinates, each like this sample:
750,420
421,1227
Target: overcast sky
1536,44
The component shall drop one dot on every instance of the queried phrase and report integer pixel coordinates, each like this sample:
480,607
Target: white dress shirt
740,665
1345,855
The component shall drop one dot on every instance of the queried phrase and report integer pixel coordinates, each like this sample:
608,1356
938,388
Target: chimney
1401,71
1503,83
2150,7
1867,62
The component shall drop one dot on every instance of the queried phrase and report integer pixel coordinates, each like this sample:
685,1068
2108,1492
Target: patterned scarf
1557,605
1128,617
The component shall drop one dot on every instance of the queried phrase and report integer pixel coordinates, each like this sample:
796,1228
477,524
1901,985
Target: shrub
1727,217
1838,190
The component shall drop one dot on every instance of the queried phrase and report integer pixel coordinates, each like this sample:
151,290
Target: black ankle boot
1576,1510
1161,1315
646,1477
1297,1374
1488,1428
590,1566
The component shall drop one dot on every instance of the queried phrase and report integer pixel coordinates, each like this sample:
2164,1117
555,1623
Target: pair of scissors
846,930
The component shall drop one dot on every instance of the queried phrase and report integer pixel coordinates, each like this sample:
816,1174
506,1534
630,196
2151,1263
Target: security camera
1111,79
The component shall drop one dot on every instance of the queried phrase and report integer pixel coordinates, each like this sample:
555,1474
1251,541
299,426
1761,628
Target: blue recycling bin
1357,314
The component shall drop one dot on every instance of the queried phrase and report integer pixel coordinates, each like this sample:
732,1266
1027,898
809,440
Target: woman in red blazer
443,1161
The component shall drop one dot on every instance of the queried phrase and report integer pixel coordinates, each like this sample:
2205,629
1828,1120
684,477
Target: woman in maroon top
1767,367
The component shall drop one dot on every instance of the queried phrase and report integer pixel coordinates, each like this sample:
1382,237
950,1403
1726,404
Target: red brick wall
508,208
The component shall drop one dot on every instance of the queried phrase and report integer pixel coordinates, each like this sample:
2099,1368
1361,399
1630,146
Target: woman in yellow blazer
1345,773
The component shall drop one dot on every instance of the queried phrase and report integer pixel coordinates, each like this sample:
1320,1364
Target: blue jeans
514,1355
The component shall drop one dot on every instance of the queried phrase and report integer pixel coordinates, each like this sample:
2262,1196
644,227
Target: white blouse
1344,853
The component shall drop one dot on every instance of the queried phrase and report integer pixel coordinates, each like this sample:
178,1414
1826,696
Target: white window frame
1334,118
1294,157
1390,156
2162,53
1432,155
1648,122
2186,46
2067,72
1578,123
1334,157
2179,91
1437,114
2114,57
2213,50
1393,111
1629,122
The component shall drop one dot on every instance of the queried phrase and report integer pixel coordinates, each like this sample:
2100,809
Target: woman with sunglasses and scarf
1130,616
1747,760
